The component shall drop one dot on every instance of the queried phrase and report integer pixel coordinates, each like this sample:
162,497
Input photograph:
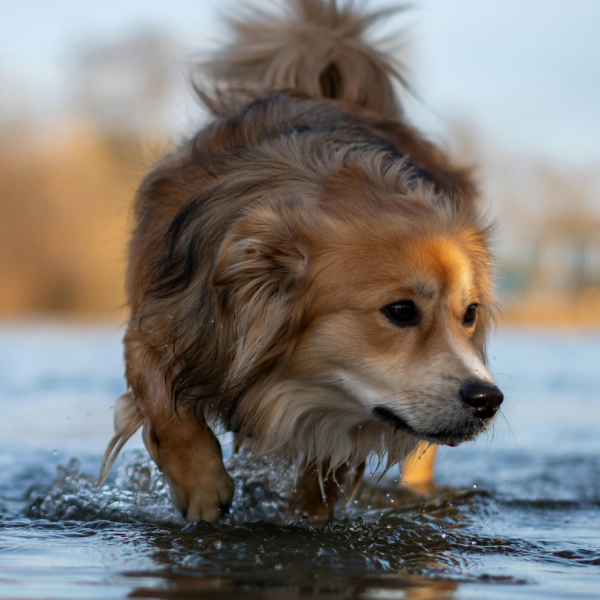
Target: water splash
138,493
387,528
263,490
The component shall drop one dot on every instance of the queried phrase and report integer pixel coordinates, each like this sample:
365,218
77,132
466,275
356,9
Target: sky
525,73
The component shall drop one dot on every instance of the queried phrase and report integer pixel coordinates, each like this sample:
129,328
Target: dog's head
360,314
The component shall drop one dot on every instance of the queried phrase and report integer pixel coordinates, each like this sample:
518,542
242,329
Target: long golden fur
266,251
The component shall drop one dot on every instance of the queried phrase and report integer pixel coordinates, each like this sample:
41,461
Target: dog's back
319,50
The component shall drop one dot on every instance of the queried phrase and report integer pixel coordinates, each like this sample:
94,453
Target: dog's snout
485,399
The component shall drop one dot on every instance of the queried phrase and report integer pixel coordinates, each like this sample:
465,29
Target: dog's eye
470,315
403,313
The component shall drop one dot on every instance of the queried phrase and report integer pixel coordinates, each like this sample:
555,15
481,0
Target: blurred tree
65,190
127,88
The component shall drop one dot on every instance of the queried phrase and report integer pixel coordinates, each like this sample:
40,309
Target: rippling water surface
514,515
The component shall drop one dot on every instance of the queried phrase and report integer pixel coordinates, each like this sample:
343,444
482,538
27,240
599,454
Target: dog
307,272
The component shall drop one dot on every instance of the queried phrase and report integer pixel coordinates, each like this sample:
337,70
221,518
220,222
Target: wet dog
307,272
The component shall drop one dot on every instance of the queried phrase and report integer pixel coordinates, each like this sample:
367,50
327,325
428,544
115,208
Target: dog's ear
259,278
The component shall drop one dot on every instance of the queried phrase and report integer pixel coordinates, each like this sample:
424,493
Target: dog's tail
128,419
318,47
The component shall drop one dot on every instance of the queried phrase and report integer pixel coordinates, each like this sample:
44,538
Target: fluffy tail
318,47
128,419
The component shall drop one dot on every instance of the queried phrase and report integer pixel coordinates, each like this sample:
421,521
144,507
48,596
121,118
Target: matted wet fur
273,257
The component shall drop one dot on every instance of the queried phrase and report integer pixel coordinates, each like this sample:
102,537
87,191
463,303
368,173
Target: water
514,515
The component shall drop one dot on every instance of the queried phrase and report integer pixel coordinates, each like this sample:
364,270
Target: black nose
484,398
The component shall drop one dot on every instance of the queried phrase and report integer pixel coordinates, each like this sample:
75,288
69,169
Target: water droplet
111,408
55,452
475,486
444,535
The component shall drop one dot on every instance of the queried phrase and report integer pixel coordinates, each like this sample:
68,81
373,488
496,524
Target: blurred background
91,95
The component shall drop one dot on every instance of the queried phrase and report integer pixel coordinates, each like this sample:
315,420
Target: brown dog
307,272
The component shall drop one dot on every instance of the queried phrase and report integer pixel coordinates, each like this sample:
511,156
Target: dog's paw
190,456
206,497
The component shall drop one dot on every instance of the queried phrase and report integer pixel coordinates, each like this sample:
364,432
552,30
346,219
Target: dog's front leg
180,442
188,453
317,495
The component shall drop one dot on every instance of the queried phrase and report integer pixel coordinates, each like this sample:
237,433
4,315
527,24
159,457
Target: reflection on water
514,515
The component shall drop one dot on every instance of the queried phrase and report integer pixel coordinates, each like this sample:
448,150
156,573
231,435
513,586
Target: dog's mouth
389,417
446,438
